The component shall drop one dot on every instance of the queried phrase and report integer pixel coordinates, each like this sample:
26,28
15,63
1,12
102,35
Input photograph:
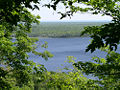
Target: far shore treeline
61,29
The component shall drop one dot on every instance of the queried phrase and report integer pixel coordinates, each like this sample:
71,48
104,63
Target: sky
50,15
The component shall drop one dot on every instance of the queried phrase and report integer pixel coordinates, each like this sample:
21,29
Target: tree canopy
15,24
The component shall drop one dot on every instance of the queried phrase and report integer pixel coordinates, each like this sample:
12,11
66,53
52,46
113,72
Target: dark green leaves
15,24
106,70
102,36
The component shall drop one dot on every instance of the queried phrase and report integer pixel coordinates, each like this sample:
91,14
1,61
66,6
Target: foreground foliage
15,23
71,80
106,69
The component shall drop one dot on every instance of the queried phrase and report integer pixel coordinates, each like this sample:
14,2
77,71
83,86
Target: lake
63,47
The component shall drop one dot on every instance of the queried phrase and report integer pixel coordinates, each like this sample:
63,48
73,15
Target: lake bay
63,47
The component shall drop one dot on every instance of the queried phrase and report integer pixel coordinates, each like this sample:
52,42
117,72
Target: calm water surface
63,47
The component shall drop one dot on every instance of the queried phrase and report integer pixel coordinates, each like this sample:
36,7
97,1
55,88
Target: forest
61,29
17,72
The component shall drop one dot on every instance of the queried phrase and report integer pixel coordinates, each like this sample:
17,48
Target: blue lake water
63,47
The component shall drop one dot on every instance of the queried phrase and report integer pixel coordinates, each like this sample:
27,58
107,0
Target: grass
61,29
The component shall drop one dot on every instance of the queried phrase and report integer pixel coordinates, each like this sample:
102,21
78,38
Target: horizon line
75,20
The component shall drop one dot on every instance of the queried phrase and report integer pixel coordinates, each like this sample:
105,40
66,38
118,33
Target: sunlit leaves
15,24
107,70
61,80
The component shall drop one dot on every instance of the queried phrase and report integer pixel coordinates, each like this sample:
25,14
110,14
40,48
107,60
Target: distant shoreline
61,37
80,21
61,29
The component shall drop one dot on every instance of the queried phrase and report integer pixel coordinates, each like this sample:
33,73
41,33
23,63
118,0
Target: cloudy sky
50,15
